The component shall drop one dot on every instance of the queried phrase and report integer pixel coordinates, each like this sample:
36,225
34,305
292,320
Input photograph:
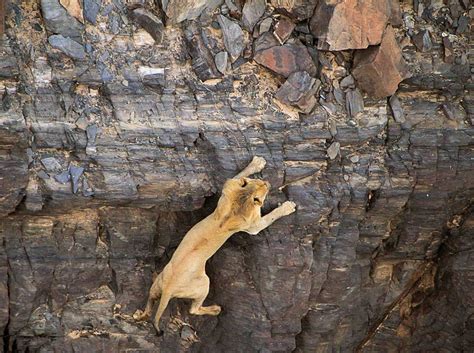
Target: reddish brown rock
283,29
299,91
298,9
378,70
350,24
286,59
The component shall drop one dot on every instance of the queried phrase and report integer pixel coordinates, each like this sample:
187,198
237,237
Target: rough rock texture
106,162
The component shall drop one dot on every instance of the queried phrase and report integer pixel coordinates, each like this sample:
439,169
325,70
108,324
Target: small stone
299,90
303,27
43,175
286,59
265,25
91,10
224,9
448,111
379,70
251,13
125,83
51,164
67,46
63,177
354,102
149,22
221,61
346,177
283,29
463,24
333,150
354,159
91,133
30,154
75,173
187,333
233,37
86,189
347,82
397,110
422,41
448,51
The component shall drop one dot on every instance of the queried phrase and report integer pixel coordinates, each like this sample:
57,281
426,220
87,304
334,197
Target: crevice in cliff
411,287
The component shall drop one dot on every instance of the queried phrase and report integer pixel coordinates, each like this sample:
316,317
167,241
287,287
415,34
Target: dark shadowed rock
283,29
347,82
67,46
299,90
463,24
422,41
298,9
202,59
179,10
350,24
233,37
91,10
150,22
251,13
57,20
378,70
286,59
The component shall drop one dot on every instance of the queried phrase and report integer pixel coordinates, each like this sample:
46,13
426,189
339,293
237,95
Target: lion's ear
243,182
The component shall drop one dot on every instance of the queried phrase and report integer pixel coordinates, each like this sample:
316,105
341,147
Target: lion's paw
258,163
288,207
140,316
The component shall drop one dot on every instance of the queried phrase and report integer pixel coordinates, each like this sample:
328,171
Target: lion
238,210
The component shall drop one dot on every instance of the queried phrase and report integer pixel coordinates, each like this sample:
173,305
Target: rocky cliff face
120,120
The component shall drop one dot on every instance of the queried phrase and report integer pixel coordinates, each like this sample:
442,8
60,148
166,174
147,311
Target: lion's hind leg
201,290
154,294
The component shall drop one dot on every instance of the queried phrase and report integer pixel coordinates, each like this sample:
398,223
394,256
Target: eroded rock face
353,24
380,69
106,162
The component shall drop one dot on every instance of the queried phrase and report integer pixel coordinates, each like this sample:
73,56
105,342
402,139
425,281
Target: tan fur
238,209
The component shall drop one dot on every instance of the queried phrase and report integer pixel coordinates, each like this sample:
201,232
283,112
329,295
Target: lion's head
241,201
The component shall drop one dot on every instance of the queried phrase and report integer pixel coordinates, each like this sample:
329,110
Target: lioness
238,209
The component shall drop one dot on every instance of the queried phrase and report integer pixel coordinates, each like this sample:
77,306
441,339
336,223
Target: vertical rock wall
120,121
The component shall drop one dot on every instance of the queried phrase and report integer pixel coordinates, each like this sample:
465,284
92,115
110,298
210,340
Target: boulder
350,24
378,70
299,91
251,13
150,23
286,59
233,37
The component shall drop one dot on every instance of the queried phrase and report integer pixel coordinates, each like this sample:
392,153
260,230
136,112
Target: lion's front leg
285,209
256,166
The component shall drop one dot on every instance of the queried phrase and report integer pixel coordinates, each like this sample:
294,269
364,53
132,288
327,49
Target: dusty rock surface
115,141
